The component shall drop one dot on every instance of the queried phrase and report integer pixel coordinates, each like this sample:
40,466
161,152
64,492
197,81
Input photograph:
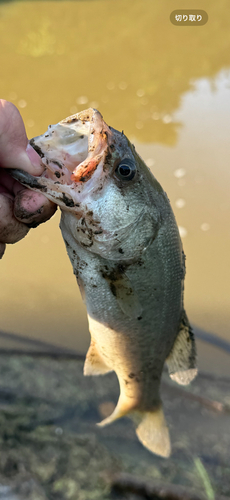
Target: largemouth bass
122,239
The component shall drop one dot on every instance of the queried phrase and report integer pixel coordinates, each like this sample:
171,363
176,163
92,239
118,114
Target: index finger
33,208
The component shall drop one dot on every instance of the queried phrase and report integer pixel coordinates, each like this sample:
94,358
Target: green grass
205,479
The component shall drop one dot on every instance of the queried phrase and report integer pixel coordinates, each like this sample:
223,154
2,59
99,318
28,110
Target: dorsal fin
94,362
182,362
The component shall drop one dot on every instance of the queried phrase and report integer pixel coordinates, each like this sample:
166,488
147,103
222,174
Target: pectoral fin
182,359
122,289
94,363
127,298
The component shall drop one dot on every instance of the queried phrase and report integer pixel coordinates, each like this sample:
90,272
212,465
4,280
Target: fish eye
126,170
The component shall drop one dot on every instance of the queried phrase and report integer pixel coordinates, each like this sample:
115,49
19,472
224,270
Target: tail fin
153,432
124,406
151,429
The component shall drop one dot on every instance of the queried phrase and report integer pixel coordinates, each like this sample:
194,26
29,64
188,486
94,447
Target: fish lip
91,115
98,140
36,148
27,179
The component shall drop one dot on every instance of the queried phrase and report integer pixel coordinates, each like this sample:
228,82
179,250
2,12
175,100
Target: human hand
20,208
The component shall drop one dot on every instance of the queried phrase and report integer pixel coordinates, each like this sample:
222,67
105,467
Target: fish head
108,197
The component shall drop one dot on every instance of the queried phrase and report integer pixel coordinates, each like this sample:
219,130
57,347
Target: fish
124,245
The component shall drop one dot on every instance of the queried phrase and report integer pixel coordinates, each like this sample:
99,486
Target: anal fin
94,362
182,362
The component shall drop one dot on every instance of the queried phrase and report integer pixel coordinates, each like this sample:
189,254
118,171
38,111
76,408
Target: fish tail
151,427
153,432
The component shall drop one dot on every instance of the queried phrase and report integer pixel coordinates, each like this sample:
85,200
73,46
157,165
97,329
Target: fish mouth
73,153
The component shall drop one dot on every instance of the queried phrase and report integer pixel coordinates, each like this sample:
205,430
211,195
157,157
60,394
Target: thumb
15,152
28,160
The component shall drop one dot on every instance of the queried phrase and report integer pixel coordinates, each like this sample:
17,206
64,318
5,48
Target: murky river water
168,88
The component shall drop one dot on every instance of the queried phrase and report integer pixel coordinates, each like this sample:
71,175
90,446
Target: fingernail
33,156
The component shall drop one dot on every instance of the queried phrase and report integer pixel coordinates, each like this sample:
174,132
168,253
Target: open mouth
78,140
72,152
